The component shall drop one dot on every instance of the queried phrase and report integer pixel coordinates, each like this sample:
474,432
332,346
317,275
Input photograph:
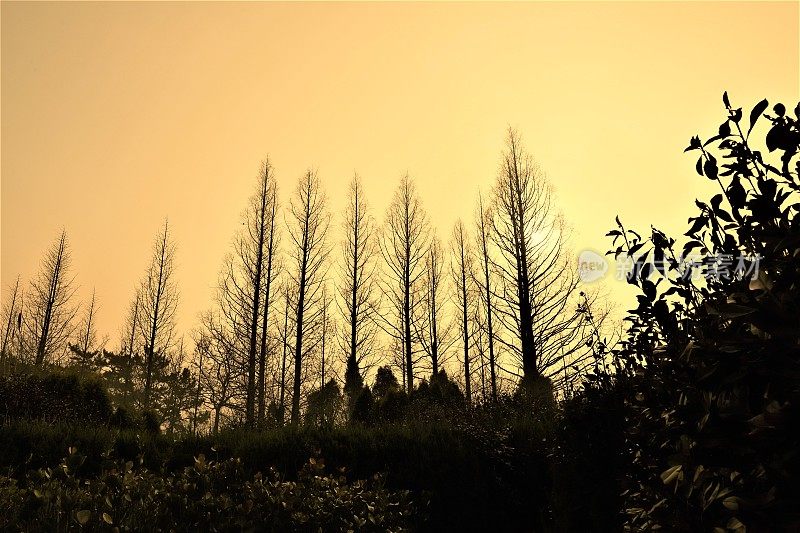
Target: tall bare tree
308,224
403,245
358,302
87,332
327,328
540,291
281,411
462,272
158,302
270,273
435,335
484,282
50,315
12,323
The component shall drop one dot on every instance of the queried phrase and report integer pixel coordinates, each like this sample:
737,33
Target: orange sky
117,115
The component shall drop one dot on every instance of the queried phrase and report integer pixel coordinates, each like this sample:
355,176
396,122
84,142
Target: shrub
206,496
61,395
713,382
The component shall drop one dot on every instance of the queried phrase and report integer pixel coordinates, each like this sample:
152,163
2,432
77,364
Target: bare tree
158,302
281,411
218,374
247,284
308,226
270,274
49,312
539,282
12,323
326,326
436,334
485,285
87,341
358,302
462,272
403,245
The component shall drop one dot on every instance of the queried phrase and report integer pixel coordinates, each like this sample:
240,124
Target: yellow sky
117,115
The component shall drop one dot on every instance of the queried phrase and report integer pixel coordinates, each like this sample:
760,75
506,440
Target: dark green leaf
710,167
756,113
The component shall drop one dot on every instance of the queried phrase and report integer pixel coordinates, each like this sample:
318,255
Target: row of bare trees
503,295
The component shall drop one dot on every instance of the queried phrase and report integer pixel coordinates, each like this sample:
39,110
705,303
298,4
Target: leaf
756,113
691,245
710,167
699,223
694,144
83,516
107,519
734,524
728,310
779,109
699,165
774,138
725,99
736,193
724,129
670,473
724,215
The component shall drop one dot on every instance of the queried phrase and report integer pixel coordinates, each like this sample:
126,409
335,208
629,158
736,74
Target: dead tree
253,255
484,283
403,245
435,333
461,270
307,223
357,299
281,414
87,334
49,313
219,371
539,292
158,302
13,323
270,274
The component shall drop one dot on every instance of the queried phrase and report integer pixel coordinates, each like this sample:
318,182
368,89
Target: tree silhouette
358,302
484,282
307,223
434,329
49,313
462,273
12,323
403,245
158,302
539,291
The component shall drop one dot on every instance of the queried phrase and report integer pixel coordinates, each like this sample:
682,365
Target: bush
713,364
476,476
206,496
58,395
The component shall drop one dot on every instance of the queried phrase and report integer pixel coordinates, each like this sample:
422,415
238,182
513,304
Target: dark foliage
58,395
712,364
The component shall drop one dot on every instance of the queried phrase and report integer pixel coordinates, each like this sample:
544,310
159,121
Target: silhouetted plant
714,361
